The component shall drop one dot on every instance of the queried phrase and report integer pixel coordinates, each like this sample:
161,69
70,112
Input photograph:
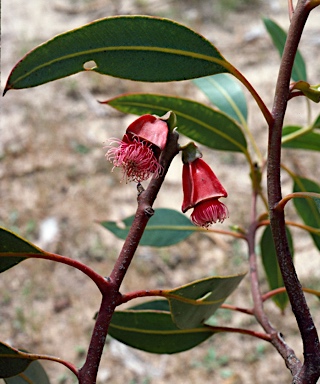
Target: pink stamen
136,158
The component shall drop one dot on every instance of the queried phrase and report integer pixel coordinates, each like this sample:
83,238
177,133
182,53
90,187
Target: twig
99,280
259,335
276,291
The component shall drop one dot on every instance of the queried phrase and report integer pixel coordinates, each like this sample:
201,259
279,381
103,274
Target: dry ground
55,183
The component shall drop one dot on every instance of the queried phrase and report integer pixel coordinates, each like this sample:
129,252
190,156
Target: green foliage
308,209
34,374
300,138
132,47
153,330
193,303
12,361
203,124
312,92
226,93
279,38
166,227
152,49
316,123
11,244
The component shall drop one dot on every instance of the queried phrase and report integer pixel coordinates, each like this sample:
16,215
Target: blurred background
55,182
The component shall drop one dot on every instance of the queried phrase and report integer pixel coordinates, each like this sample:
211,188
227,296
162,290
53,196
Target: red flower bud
202,190
139,150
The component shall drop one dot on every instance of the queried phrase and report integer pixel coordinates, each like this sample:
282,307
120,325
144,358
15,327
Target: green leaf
279,37
301,138
10,243
226,93
271,267
13,361
153,330
205,125
316,123
139,48
154,305
312,92
34,374
166,227
308,209
194,303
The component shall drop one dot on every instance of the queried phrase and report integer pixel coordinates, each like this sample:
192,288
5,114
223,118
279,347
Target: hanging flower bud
139,150
202,190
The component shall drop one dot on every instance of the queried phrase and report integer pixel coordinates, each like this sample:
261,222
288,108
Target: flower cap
151,129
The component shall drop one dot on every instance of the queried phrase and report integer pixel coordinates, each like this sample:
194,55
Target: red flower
202,190
139,150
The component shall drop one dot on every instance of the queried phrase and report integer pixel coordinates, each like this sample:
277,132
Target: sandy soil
55,183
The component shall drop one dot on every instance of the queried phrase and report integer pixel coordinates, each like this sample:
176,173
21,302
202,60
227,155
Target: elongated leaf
309,140
192,304
279,37
11,243
34,374
308,208
226,93
12,361
154,331
271,267
166,227
132,47
205,125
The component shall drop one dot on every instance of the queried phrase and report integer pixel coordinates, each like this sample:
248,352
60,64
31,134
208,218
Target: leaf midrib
172,51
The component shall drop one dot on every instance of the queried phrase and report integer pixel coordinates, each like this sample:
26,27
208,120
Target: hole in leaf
90,65
208,294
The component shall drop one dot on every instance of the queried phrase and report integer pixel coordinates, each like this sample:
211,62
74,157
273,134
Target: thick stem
88,373
276,339
311,370
111,296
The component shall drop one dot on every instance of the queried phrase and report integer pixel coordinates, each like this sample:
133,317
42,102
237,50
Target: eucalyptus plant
152,49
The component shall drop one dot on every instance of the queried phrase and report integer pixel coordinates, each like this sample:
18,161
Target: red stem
265,111
165,293
276,291
259,335
67,364
111,296
100,281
